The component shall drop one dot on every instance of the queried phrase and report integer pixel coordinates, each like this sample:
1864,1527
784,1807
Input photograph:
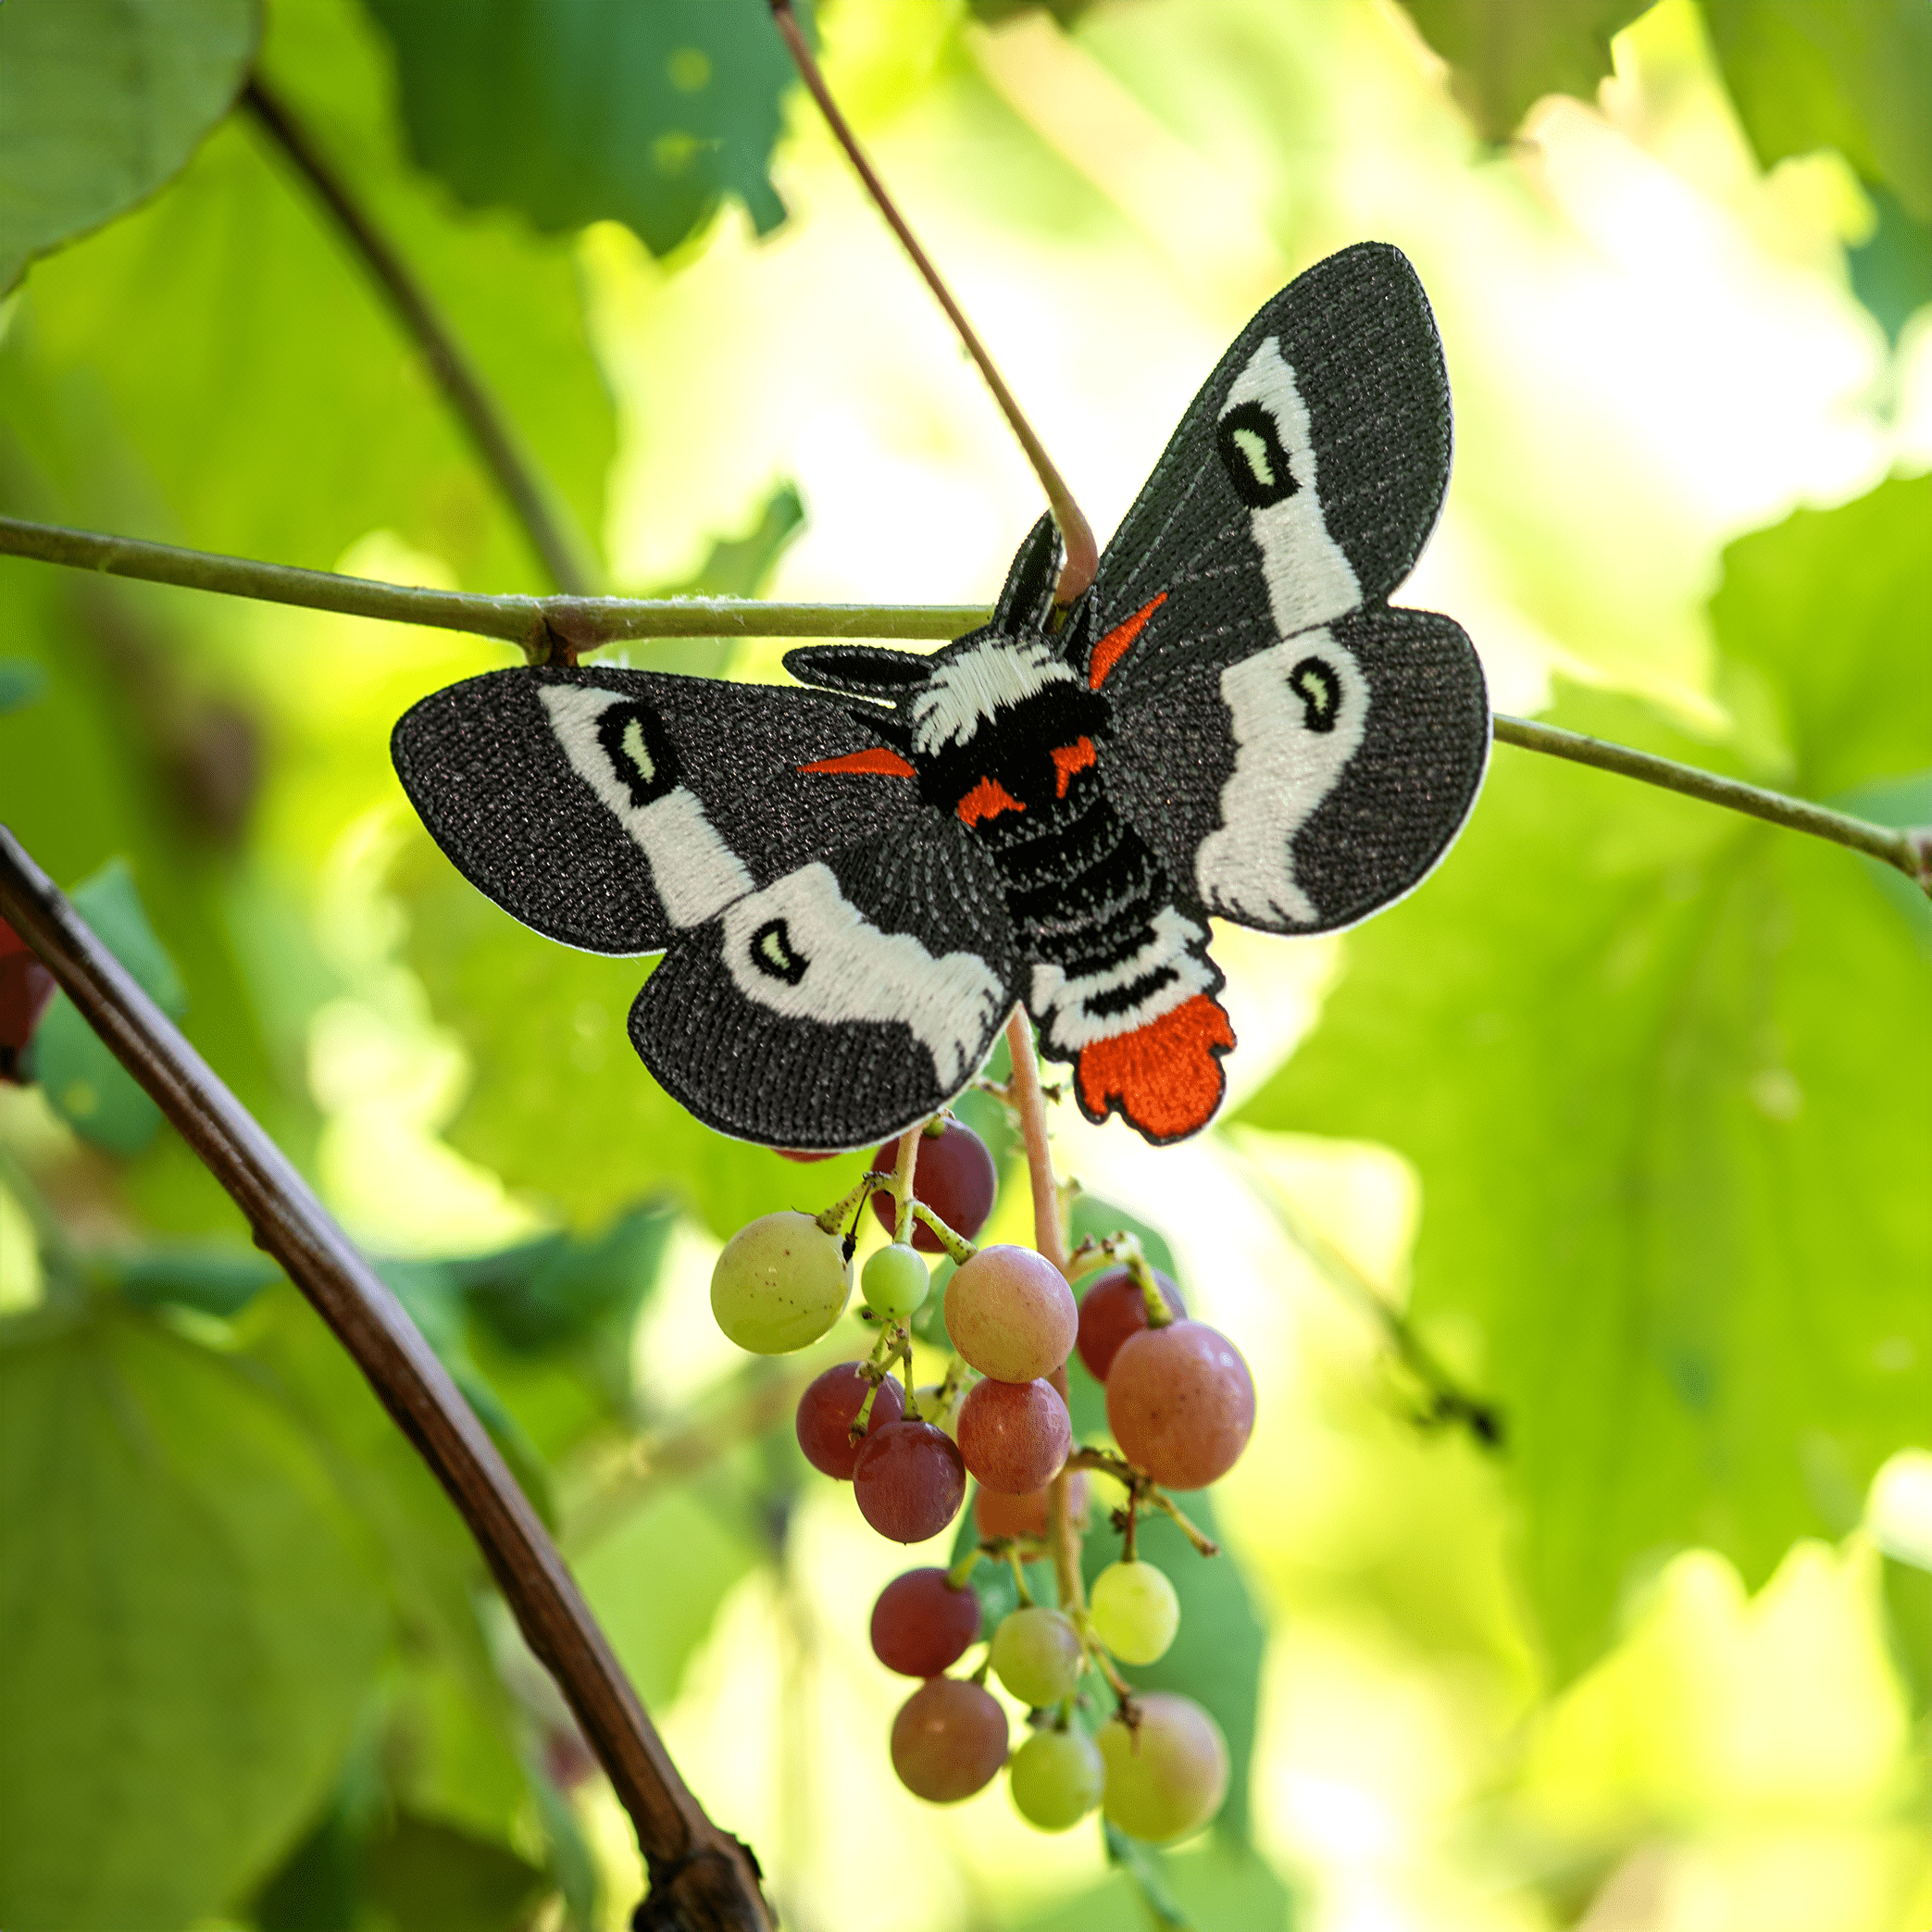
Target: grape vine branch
702,1878
561,627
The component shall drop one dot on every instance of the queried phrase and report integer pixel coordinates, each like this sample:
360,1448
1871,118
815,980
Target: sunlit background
1654,350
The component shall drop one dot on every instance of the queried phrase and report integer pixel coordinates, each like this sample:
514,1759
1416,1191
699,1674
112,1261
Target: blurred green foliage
101,102
1658,1070
647,116
1639,1054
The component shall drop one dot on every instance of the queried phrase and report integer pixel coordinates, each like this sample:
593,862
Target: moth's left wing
838,952
845,1001
612,809
1296,751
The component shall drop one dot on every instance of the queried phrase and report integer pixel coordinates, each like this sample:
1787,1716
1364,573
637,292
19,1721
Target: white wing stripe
695,873
850,970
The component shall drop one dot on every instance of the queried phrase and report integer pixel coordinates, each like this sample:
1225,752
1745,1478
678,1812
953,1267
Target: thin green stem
544,626
532,501
903,1175
553,627
1910,851
1082,552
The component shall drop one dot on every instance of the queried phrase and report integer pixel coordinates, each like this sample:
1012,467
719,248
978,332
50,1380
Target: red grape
1112,1309
1167,1776
909,1481
949,1739
1180,1403
825,1415
1013,1435
1025,1515
953,1175
1011,1314
26,986
921,1626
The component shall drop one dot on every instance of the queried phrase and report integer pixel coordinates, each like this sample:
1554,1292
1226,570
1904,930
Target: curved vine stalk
558,628
702,1878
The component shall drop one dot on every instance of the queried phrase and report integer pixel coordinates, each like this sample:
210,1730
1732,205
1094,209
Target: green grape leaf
1891,268
270,394
191,1622
101,102
215,1280
1202,1888
425,1872
1807,74
545,1294
674,1532
1504,57
644,115
21,683
84,1083
1215,1657
993,11
1661,1071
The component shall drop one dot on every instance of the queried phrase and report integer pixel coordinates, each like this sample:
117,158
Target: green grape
1057,1778
1134,1611
1167,1775
1036,1652
779,1284
895,1283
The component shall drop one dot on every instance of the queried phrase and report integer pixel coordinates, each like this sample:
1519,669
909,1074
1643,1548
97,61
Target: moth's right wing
613,809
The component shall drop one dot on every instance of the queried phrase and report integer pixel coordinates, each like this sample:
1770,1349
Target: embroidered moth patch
854,884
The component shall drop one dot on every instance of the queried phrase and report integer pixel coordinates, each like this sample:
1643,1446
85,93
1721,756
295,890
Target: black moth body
854,884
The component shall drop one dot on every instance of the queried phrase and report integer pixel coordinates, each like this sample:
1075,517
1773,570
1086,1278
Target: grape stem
834,1218
1020,1574
1050,1238
902,1182
893,1345
960,1376
1136,1483
958,1249
1125,1248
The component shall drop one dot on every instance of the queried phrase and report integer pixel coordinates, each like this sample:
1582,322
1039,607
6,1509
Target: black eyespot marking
1251,455
773,954
1314,681
640,750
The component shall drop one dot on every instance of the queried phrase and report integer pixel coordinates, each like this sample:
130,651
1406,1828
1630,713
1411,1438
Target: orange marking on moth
1165,1077
1070,758
878,762
987,799
1113,647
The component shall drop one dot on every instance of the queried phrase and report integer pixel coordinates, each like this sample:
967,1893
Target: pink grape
1113,1308
921,1626
1180,1403
1011,1314
953,1175
909,1481
1167,1776
1025,1515
949,1740
1014,1436
825,1413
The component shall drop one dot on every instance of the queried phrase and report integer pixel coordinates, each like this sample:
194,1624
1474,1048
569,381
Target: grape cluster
1179,1404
